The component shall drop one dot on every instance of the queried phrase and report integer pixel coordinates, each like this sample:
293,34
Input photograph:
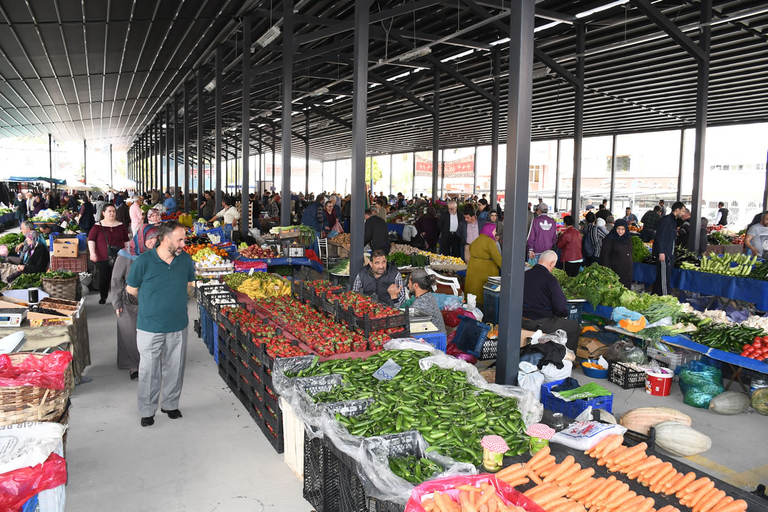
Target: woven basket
19,404
61,288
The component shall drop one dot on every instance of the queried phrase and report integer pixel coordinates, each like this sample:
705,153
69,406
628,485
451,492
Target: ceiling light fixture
319,92
269,36
211,86
414,54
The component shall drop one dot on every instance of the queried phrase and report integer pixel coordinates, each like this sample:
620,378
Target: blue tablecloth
8,217
601,311
726,357
303,262
397,228
737,288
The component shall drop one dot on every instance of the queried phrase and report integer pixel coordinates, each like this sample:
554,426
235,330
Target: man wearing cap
543,234
137,216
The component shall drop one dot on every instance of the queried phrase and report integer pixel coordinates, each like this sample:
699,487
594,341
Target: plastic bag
559,336
378,479
552,373
452,303
43,372
622,313
700,383
451,317
471,307
19,485
449,485
583,435
529,377
625,351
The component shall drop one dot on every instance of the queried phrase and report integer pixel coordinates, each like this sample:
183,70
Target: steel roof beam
672,30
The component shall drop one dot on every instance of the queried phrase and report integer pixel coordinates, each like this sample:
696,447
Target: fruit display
728,265
256,252
201,250
262,285
263,335
320,286
362,305
450,413
441,260
207,258
313,328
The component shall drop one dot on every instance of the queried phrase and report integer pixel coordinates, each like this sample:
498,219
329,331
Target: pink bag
507,494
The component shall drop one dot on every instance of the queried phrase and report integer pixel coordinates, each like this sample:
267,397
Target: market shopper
331,225
208,208
21,208
375,232
35,258
126,305
420,287
616,252
154,217
228,216
449,224
484,262
543,234
427,228
650,221
381,278
630,217
756,239
493,218
159,278
664,248
569,244
544,304
137,215
470,230
86,216
104,242
169,203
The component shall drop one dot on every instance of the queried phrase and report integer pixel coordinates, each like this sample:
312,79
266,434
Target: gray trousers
161,366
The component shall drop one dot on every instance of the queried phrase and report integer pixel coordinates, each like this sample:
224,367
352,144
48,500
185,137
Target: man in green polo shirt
159,278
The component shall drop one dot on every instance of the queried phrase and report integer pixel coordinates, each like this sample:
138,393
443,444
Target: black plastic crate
275,435
198,328
226,323
625,376
375,505
352,497
490,350
315,454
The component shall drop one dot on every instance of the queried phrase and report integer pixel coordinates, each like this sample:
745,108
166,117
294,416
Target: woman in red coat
569,244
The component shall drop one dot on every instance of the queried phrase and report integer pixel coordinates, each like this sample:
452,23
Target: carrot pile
698,494
471,499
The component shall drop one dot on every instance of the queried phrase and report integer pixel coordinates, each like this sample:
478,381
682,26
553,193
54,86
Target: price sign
388,370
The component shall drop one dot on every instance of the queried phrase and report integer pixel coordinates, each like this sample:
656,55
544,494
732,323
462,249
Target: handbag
111,249
419,242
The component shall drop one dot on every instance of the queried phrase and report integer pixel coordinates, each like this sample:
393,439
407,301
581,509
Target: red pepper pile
757,350
361,305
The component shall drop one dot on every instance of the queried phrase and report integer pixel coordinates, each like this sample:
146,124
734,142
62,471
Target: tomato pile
194,249
757,350
172,216
361,305
319,332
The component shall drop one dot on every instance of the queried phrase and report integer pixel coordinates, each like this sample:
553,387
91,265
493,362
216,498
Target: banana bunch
263,286
715,264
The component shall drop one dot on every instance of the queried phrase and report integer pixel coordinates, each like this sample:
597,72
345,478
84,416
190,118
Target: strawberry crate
367,325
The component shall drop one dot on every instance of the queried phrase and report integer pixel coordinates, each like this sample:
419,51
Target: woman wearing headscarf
493,218
427,227
616,252
35,258
331,224
484,262
126,305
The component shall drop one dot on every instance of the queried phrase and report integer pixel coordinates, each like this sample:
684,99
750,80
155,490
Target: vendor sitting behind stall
382,279
544,304
420,287
35,258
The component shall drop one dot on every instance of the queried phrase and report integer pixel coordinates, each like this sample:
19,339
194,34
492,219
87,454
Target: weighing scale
12,317
493,284
421,324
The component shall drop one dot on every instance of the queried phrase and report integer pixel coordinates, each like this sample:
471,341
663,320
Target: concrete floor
215,458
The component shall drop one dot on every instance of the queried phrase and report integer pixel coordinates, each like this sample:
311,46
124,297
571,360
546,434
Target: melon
730,402
760,401
643,418
680,439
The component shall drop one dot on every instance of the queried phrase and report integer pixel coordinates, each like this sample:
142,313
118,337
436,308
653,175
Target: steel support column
285,211
245,134
765,193
111,169
578,121
521,23
85,162
274,148
187,156
306,154
163,142
219,98
435,134
495,122
557,177
680,166
176,158
156,184
168,149
613,173
359,128
200,152
702,96
413,182
50,154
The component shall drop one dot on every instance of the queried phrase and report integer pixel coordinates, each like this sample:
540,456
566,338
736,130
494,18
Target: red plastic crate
79,264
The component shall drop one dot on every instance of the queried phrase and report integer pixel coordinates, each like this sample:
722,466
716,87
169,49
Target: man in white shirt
228,216
757,237
450,224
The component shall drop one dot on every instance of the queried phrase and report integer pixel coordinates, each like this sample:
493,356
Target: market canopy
28,179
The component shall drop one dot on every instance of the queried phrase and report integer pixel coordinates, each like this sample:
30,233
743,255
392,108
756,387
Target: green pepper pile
729,338
413,469
451,414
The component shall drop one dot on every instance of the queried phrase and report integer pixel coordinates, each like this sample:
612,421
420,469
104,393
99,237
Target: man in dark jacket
312,215
382,279
450,226
650,220
376,233
664,248
544,304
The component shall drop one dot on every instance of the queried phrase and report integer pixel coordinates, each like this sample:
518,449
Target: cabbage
217,224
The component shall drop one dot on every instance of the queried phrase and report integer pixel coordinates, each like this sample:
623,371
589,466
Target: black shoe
102,301
174,414
148,421
135,375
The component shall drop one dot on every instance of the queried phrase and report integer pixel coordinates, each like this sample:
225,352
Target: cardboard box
590,348
525,337
65,248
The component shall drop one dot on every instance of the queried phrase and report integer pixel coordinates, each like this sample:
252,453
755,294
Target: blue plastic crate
436,339
214,231
82,240
491,301
471,335
30,505
572,409
215,331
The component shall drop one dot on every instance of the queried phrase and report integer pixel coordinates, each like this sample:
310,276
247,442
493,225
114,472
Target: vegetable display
760,271
11,240
758,349
728,265
413,469
35,280
729,338
399,259
639,250
596,283
451,414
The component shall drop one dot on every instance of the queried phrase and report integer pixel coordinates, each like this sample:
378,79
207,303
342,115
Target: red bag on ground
42,372
451,317
19,485
448,485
